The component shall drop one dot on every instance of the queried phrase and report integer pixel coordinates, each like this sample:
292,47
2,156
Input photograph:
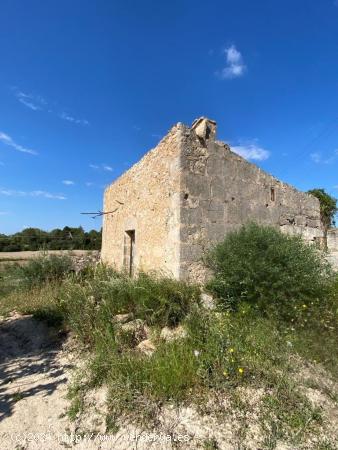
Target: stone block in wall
215,169
215,216
197,186
191,252
192,216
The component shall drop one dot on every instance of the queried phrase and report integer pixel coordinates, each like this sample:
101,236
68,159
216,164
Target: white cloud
235,66
68,182
37,193
105,167
38,103
6,139
251,151
69,118
89,183
318,158
34,102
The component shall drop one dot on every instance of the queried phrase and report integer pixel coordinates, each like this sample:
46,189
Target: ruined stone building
186,194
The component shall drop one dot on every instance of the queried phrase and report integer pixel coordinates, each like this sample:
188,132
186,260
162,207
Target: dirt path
35,367
33,376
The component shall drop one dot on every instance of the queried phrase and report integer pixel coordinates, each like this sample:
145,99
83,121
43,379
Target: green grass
224,350
40,301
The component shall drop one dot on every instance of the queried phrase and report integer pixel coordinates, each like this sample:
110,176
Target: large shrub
262,266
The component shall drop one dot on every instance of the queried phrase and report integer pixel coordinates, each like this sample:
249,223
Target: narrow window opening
129,252
272,194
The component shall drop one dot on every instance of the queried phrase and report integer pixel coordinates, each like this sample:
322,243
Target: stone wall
84,259
186,194
332,244
146,199
221,191
332,240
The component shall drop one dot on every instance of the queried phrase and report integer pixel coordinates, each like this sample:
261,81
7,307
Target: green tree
328,209
68,238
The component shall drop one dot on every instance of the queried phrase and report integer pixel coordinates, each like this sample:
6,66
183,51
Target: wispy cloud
251,151
34,102
68,182
6,139
38,103
37,193
4,213
318,158
234,67
69,118
103,166
89,183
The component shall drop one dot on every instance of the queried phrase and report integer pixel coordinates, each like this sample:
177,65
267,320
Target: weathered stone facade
332,245
185,195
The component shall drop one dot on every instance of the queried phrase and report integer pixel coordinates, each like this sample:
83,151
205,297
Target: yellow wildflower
225,373
241,370
231,350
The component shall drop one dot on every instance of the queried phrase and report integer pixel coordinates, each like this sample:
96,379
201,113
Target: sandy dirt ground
36,366
33,377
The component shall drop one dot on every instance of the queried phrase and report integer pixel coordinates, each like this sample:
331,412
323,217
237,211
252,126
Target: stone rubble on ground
146,347
137,328
172,334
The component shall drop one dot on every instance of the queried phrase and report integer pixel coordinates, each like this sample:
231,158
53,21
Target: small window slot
272,194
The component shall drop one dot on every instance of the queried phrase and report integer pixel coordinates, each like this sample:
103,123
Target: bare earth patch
36,366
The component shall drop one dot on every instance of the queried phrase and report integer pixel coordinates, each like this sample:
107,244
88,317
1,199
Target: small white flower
196,353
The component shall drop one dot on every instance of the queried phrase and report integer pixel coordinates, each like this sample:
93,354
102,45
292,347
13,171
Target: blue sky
87,87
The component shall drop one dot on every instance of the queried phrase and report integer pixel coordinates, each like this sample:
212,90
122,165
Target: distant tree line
67,238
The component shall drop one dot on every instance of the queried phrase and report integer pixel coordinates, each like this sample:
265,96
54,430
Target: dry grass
20,256
23,257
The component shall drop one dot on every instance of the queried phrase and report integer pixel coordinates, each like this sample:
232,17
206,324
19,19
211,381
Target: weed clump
39,271
90,304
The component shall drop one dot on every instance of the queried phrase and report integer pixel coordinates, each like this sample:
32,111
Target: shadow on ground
28,361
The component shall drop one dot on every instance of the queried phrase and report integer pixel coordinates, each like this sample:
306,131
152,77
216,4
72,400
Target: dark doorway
129,252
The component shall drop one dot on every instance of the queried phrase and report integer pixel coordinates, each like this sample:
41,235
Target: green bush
262,266
40,270
89,303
